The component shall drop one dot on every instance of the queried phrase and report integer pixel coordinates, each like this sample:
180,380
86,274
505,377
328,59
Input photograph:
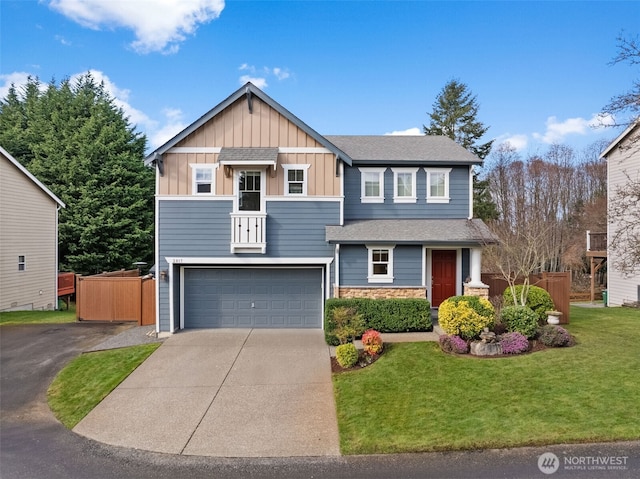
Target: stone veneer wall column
473,290
379,293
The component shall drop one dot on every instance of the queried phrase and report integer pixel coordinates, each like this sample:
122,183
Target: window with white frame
203,179
295,180
22,263
380,264
372,185
404,185
438,185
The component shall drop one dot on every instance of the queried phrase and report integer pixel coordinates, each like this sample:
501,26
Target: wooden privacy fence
117,296
558,285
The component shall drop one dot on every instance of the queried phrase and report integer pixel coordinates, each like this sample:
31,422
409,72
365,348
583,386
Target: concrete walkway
227,393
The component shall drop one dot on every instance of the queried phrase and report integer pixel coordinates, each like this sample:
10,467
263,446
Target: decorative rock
482,348
488,336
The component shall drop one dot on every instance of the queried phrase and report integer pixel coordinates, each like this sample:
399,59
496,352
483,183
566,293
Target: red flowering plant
372,343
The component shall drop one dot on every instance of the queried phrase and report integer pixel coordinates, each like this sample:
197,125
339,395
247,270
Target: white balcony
249,232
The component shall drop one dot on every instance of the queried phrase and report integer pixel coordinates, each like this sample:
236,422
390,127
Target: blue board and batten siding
457,207
202,228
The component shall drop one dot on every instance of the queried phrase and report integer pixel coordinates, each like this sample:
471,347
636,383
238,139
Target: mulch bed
361,364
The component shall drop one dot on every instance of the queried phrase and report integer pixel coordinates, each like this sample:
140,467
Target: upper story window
249,191
380,264
404,185
22,263
372,185
438,185
203,179
295,180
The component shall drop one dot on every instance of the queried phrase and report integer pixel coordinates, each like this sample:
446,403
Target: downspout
55,307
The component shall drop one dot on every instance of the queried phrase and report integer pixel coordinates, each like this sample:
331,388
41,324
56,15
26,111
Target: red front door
443,279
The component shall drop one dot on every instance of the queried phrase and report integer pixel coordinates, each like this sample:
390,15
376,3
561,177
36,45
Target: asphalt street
33,444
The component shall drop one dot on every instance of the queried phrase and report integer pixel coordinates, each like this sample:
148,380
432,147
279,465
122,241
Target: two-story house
260,219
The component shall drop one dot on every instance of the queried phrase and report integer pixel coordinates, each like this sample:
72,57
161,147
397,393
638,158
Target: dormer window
404,185
295,180
372,185
438,185
203,179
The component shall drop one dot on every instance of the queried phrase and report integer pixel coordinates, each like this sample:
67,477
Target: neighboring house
28,239
260,219
623,163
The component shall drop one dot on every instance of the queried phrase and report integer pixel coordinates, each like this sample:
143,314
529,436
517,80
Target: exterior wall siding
620,163
202,228
406,272
28,226
458,206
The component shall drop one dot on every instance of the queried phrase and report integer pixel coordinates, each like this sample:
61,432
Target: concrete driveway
227,393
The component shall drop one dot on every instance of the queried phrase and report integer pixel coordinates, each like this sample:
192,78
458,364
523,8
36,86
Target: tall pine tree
454,115
81,146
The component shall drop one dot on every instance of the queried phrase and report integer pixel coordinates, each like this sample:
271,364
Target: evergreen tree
454,115
75,140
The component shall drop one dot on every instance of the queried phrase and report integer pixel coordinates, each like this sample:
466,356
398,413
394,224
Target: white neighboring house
28,239
623,163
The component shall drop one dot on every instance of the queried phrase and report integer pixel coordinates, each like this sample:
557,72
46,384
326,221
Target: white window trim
236,189
404,199
379,278
372,199
438,199
305,180
24,263
203,166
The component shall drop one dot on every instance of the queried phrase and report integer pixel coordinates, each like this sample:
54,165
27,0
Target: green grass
416,398
39,317
89,378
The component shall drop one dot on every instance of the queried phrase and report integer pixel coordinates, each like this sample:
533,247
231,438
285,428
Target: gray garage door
258,298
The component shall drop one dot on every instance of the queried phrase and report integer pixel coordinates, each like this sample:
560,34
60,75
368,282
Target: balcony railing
596,241
249,232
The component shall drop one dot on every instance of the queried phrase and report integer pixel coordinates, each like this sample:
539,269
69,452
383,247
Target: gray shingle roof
435,231
389,148
248,154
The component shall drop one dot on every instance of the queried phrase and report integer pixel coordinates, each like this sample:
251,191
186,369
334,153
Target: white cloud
18,79
557,130
408,132
63,40
518,142
174,124
259,76
159,25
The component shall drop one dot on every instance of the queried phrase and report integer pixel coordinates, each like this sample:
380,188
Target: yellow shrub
465,316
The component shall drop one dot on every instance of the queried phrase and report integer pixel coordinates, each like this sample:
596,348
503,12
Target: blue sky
540,70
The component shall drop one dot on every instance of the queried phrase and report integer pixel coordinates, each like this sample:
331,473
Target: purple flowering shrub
555,336
453,344
514,343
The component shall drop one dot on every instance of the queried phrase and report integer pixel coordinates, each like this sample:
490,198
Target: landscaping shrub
372,342
555,336
383,315
348,324
520,319
538,299
347,355
453,344
514,343
465,316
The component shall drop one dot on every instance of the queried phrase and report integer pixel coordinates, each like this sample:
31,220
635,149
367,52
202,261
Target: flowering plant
372,342
514,343
555,336
453,344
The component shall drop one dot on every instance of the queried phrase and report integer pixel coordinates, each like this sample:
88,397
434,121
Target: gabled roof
248,90
621,137
17,164
440,231
404,149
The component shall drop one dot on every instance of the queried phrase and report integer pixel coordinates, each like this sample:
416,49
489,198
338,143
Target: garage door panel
264,298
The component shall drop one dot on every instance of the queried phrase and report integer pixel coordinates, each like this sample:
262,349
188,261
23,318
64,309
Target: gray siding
203,229
458,206
407,266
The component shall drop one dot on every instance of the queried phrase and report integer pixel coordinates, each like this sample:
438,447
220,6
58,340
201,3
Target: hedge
383,315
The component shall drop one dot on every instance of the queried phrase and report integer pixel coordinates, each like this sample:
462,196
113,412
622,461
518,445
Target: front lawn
39,317
416,398
89,378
